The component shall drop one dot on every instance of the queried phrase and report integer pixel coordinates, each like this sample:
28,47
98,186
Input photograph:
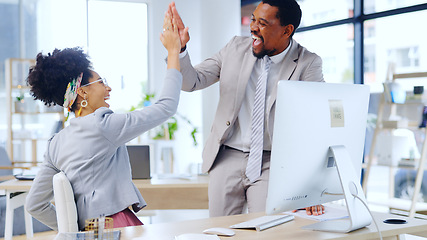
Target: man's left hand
314,210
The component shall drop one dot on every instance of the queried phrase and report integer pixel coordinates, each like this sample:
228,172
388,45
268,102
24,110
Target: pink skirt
125,218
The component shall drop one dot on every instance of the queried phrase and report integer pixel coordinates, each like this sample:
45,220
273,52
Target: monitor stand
359,215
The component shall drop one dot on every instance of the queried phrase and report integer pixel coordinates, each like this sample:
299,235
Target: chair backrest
5,162
66,211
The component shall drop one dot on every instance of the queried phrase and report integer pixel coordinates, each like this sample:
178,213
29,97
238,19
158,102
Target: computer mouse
219,231
196,236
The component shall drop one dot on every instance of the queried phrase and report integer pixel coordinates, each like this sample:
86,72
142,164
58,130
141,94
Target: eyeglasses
102,80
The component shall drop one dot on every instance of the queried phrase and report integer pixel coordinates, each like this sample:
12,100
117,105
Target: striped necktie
253,167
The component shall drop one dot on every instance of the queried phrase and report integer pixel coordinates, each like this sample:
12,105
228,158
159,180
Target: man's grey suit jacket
232,67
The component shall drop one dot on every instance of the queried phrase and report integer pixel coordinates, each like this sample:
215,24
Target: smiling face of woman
96,92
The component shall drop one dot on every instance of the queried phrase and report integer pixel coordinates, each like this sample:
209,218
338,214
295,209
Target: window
373,6
120,53
17,26
406,57
336,51
385,33
404,50
369,60
315,11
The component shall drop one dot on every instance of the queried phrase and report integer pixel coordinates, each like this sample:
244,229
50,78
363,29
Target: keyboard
264,222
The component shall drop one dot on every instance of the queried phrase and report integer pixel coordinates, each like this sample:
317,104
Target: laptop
139,157
26,174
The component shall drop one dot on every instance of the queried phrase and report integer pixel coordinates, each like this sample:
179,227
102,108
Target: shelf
26,131
21,163
385,105
19,87
31,139
393,124
409,167
411,102
399,204
35,113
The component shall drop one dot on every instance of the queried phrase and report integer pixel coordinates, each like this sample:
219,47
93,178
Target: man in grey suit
237,67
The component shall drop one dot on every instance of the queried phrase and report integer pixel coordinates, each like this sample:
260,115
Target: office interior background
356,39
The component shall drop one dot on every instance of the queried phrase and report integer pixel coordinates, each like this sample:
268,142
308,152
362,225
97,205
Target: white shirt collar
279,57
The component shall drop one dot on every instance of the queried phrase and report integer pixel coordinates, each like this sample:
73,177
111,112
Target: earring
83,104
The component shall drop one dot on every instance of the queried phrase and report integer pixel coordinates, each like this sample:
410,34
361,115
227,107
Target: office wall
212,23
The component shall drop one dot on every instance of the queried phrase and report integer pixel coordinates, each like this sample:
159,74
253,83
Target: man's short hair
289,12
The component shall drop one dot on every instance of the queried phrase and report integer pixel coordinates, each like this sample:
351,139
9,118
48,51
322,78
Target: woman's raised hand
171,41
170,36
182,30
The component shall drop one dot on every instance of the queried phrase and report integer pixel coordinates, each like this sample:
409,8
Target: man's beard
263,53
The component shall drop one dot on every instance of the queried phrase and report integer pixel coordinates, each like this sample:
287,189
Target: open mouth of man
256,41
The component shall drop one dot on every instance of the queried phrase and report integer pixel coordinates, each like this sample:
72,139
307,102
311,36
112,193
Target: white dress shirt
240,136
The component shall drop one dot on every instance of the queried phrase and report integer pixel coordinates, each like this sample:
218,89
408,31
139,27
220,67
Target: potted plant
20,103
166,131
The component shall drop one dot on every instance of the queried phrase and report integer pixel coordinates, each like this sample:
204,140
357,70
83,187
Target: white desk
289,230
188,194
16,192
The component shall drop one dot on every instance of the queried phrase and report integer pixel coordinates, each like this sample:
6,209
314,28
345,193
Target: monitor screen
311,117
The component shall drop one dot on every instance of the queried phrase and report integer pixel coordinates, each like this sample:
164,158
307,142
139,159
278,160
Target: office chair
66,211
6,166
5,163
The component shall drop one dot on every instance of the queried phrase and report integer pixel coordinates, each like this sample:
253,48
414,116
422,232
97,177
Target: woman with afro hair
91,150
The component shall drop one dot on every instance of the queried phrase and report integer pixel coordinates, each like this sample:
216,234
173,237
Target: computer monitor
139,158
317,150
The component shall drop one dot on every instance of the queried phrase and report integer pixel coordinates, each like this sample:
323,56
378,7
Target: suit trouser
230,191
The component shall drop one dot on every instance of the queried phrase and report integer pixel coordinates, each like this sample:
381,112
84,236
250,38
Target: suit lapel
287,68
245,72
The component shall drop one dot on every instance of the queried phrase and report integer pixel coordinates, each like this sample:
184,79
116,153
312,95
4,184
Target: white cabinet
29,122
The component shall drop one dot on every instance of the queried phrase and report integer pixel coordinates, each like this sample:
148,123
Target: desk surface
175,193
197,181
189,193
290,230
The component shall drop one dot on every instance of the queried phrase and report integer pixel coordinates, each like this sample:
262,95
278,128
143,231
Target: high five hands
170,36
182,30
171,41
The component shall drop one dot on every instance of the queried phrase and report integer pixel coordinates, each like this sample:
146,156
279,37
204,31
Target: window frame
358,21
